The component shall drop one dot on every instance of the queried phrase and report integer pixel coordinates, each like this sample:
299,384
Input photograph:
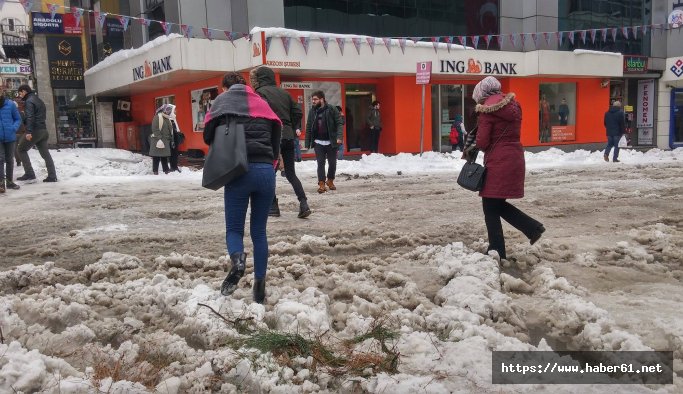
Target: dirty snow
108,275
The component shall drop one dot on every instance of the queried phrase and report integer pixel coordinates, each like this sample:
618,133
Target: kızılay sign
153,68
474,66
635,64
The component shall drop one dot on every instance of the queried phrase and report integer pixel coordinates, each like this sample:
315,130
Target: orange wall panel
401,113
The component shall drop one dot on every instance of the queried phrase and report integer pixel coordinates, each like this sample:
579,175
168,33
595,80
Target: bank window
557,112
74,116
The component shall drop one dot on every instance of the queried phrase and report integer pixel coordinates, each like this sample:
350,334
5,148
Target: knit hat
485,88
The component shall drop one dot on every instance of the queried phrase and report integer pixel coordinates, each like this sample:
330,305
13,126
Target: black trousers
173,159
329,153
155,164
374,139
497,208
287,150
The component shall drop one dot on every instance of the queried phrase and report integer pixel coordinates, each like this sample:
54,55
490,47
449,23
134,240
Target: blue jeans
258,185
613,141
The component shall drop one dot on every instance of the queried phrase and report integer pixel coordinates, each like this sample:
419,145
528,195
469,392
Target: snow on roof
122,55
586,51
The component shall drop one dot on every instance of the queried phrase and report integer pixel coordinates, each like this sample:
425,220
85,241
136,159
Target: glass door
447,102
676,135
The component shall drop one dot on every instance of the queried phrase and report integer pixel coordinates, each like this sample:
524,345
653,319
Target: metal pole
422,120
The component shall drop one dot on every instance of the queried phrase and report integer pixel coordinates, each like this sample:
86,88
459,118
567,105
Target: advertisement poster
65,56
644,109
563,133
44,23
202,99
645,136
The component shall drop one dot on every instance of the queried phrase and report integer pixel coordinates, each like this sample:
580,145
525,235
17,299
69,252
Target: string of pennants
516,40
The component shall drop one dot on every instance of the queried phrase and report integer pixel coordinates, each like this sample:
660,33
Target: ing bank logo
148,69
677,68
64,48
256,50
473,67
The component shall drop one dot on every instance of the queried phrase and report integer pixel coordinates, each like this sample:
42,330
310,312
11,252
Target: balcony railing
16,41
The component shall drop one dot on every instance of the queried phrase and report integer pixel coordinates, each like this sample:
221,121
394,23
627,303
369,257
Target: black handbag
227,157
472,176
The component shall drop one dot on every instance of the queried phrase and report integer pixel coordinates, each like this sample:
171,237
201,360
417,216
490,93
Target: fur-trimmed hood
495,103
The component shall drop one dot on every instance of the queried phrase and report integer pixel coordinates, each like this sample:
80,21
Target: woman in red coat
497,135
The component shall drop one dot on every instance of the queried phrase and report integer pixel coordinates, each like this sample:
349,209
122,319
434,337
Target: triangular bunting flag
603,32
305,42
268,41
513,40
475,41
582,35
50,7
523,38
387,43
341,41
285,43
208,33
570,34
187,30
449,42
325,41
499,41
167,27
371,43
635,32
28,5
534,37
614,33
645,30
593,33
546,35
560,36
145,22
462,40
101,17
356,43
435,43
124,20
487,38
415,39
77,13
402,44
624,32
2,2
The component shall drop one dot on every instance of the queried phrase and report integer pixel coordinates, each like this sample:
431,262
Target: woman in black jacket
262,130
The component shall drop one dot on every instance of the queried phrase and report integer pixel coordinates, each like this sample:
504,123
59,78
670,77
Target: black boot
304,210
260,290
239,262
537,235
274,208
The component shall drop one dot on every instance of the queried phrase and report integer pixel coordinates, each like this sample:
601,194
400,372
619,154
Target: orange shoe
330,184
321,187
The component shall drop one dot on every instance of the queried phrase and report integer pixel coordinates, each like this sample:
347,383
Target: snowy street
108,267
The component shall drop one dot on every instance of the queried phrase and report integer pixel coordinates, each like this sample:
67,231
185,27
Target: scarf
240,100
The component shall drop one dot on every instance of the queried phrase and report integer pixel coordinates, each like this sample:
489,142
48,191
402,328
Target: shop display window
74,116
557,112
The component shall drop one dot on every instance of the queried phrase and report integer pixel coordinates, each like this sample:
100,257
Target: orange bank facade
563,94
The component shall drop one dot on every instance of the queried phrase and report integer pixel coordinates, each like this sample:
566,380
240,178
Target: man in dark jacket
615,127
324,132
36,134
263,82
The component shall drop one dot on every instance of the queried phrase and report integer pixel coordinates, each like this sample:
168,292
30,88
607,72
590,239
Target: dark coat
10,119
333,121
614,122
279,101
34,113
161,131
260,136
498,134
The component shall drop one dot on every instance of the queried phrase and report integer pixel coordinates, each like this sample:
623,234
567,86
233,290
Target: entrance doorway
359,97
447,102
676,134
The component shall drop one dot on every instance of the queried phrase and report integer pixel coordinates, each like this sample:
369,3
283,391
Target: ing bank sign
475,66
152,68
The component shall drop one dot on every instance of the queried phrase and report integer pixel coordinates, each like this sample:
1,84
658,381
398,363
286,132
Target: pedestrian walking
498,136
615,127
262,129
10,120
324,133
262,80
35,135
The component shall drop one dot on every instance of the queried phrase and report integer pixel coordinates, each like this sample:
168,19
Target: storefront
565,89
13,75
671,113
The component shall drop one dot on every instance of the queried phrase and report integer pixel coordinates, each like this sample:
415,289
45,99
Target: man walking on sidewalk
262,80
36,134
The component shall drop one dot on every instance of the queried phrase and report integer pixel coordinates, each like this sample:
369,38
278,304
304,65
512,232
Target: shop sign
677,68
635,64
423,73
562,133
280,63
474,66
152,68
296,85
44,23
15,69
644,113
65,57
645,136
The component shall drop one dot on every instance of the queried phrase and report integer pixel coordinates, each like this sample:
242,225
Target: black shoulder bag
227,157
473,175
